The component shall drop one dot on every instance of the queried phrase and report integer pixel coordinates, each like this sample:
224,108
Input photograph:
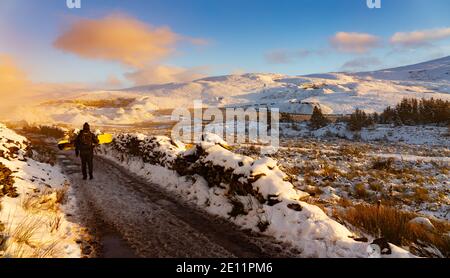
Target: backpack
86,139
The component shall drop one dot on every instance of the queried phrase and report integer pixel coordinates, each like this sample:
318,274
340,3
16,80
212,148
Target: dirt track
135,218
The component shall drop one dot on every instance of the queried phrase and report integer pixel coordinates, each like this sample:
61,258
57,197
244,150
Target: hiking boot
84,178
91,177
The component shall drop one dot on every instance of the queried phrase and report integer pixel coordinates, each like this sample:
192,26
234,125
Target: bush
361,191
394,225
48,131
383,164
421,195
7,182
318,120
286,118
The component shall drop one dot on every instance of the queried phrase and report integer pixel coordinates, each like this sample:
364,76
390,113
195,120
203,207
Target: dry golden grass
102,103
48,250
388,166
375,185
49,200
25,230
293,171
393,224
331,172
54,223
308,180
314,191
25,239
361,191
383,164
43,152
352,151
354,172
344,202
421,195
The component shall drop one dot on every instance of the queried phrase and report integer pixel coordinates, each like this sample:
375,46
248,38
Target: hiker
84,147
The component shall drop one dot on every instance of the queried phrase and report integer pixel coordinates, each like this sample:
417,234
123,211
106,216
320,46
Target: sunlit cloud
16,87
120,38
160,74
354,42
420,38
12,80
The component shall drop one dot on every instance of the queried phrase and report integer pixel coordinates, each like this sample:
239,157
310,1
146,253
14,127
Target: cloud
16,87
283,56
120,38
354,42
13,81
16,90
361,64
160,74
420,38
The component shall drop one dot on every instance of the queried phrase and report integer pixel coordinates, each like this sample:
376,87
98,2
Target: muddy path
130,217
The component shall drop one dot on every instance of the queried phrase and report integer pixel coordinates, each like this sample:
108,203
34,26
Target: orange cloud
160,74
421,37
119,38
12,80
354,42
15,88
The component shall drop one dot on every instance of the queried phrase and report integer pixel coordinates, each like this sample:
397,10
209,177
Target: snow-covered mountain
435,70
335,93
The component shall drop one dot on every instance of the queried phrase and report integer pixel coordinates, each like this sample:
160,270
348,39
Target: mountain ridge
334,93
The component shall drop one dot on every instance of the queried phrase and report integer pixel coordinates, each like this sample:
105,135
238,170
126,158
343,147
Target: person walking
84,148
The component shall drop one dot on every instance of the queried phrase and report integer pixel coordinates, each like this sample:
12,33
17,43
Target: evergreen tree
358,120
415,112
318,120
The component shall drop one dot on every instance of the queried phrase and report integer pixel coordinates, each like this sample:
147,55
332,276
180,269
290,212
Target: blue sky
291,37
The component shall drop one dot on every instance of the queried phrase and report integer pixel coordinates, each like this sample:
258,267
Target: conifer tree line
409,111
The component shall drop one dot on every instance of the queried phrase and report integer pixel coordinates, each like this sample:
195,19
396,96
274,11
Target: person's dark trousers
87,163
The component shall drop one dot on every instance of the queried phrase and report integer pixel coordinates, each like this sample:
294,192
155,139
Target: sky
113,43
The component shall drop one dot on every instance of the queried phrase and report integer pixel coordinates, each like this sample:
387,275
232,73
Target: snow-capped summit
334,93
435,70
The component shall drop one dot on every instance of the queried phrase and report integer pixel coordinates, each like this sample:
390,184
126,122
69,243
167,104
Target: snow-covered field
369,172
411,135
409,177
33,221
335,93
251,192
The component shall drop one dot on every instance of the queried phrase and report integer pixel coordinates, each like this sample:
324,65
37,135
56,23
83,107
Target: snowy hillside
335,93
436,70
33,219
